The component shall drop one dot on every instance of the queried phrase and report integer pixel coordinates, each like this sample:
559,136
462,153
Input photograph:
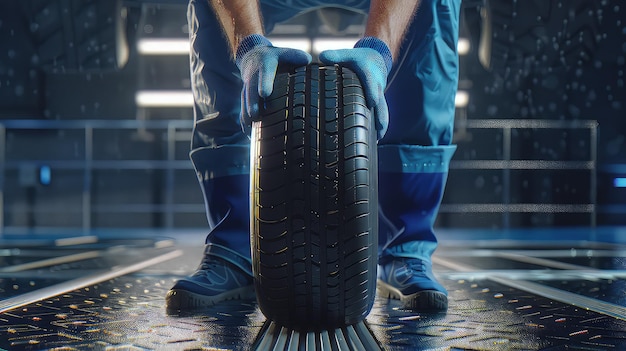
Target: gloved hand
371,61
258,60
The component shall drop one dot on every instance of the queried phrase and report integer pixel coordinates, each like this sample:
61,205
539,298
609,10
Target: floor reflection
492,304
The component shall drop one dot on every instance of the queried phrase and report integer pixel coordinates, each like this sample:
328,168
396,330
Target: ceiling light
463,46
164,98
320,45
162,46
293,43
461,99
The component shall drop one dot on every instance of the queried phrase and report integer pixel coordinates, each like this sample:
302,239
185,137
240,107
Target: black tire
77,35
314,200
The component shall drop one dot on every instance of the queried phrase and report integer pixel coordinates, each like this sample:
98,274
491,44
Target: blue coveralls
413,156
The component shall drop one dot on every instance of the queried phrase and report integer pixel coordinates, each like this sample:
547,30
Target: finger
244,117
373,90
267,74
381,113
336,56
294,57
347,58
252,100
244,103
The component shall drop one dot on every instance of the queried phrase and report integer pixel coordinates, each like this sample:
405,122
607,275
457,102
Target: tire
314,202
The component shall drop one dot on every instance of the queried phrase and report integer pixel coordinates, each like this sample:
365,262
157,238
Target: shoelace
416,265
207,265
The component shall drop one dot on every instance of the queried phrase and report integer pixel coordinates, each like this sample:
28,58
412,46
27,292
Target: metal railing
178,130
507,164
175,130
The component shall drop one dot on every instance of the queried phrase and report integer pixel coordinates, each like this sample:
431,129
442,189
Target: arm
389,20
239,18
254,55
372,56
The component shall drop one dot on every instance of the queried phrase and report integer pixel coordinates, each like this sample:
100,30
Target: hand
258,60
371,61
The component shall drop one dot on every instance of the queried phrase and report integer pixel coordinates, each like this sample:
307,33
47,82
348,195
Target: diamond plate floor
521,290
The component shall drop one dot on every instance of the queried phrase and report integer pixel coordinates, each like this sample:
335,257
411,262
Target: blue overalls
413,156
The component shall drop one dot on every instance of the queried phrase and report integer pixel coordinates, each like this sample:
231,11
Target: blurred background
96,117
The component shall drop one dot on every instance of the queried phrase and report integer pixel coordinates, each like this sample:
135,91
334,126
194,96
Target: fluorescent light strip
174,98
294,43
185,98
463,46
619,182
461,99
164,98
163,46
320,45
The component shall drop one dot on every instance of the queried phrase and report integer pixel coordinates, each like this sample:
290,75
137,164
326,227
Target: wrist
248,43
378,45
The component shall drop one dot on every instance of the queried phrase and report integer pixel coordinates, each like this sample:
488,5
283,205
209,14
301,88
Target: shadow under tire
314,202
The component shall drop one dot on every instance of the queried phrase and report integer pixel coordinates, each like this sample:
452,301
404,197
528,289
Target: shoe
222,275
411,281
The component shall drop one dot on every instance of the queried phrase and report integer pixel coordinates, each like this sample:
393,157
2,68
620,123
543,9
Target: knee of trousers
221,161
414,158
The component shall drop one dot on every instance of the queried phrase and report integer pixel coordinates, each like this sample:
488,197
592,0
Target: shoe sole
183,300
423,301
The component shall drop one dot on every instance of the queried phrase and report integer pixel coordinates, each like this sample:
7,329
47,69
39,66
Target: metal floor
509,290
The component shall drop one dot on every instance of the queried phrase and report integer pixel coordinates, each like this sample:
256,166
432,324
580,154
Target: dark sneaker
411,281
222,275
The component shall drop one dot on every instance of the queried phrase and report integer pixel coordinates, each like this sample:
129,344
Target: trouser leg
226,195
411,184
415,153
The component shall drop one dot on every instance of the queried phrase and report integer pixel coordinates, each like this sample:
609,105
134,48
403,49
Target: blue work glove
258,60
371,60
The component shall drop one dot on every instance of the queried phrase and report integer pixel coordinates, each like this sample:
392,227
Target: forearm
239,18
389,20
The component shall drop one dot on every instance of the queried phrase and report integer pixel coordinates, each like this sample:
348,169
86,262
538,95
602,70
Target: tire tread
314,231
